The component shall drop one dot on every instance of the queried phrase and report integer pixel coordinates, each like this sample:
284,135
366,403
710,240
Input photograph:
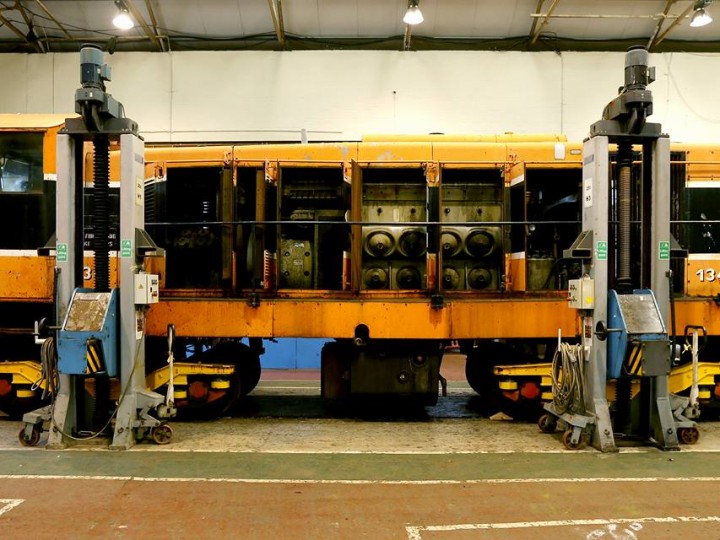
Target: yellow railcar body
472,316
26,278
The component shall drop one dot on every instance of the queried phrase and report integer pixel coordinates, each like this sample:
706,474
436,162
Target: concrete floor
290,466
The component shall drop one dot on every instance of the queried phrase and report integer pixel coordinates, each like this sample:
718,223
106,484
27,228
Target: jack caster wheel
33,440
162,434
688,435
567,441
547,423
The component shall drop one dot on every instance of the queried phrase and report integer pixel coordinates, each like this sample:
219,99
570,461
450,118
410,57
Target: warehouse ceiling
41,26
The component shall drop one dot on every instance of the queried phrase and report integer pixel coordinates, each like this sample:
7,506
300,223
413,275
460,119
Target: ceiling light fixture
700,17
413,15
122,20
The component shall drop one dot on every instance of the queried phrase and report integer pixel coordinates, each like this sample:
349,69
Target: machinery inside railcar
376,235
546,214
312,206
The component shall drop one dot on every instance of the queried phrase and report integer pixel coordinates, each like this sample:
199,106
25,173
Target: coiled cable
48,368
567,379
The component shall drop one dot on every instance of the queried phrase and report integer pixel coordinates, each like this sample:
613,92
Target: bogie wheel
688,435
478,375
547,423
33,440
246,361
481,359
162,434
567,441
249,371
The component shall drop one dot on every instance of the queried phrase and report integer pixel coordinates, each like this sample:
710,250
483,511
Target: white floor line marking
8,504
335,451
414,532
354,482
308,450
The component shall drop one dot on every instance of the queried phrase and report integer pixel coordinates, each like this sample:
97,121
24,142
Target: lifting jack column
625,247
121,349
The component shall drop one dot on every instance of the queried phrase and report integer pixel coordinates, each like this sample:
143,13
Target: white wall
342,94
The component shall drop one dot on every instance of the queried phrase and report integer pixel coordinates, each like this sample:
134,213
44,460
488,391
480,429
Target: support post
63,411
595,211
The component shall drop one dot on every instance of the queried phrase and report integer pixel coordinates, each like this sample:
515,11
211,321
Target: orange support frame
397,319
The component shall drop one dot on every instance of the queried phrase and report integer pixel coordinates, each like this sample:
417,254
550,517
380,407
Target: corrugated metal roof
164,25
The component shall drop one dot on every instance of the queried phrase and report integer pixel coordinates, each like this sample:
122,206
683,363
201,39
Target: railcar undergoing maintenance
392,247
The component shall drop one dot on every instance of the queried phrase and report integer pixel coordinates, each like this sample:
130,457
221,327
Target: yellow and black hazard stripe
633,365
94,357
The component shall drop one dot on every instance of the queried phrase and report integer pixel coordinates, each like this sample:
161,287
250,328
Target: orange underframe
462,319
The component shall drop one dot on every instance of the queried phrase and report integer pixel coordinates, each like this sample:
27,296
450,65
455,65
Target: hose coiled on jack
567,379
48,366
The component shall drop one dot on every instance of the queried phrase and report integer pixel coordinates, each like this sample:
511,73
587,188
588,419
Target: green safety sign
663,250
601,250
61,253
126,248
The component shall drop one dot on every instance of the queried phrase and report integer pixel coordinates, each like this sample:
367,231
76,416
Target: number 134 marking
706,274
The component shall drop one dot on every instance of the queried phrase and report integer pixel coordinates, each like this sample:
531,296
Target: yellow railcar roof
32,121
467,138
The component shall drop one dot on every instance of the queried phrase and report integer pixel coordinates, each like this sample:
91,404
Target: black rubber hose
101,212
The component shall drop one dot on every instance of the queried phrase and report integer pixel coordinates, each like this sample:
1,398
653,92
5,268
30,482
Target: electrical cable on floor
567,379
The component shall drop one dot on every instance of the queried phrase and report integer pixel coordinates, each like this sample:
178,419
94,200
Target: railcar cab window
21,163
27,201
14,176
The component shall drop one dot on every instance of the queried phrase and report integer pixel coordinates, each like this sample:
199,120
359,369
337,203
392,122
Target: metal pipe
545,18
601,16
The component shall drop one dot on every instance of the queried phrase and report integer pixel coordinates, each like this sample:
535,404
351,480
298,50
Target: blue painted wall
292,354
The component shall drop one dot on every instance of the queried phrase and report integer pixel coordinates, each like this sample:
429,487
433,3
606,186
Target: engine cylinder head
375,278
379,244
479,278
408,277
413,243
480,243
450,278
450,243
